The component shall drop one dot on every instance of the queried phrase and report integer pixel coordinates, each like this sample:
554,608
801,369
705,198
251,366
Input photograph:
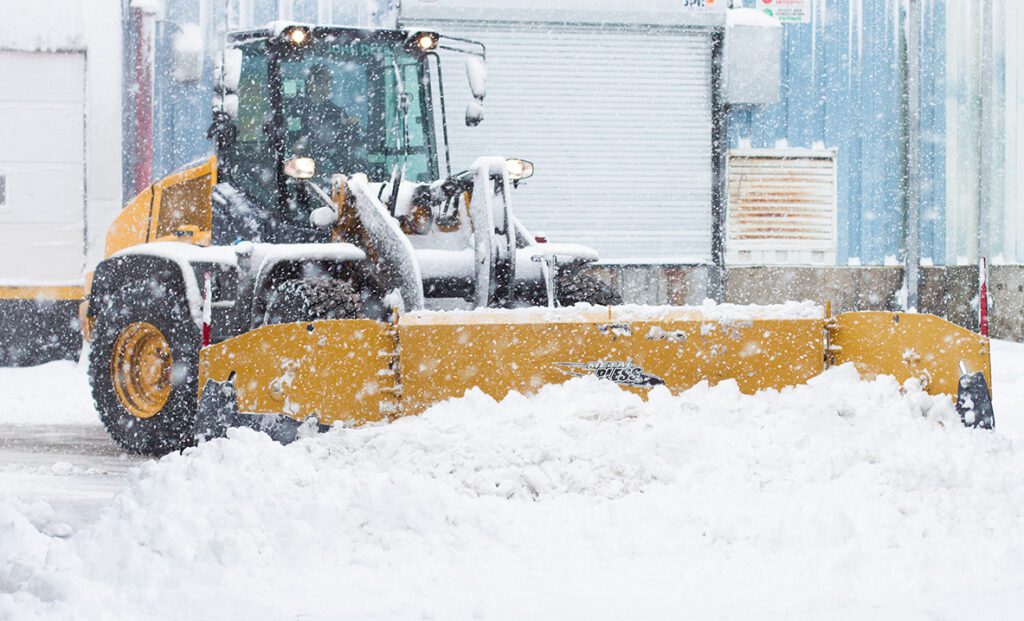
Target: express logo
623,373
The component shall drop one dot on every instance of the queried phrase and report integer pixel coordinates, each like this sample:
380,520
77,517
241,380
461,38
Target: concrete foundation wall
949,292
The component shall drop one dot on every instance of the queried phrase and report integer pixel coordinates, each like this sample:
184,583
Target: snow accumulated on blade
709,310
583,501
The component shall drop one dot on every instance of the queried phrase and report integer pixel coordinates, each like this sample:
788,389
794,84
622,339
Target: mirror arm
482,53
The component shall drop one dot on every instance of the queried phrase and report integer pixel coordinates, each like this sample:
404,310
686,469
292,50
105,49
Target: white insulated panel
42,144
782,207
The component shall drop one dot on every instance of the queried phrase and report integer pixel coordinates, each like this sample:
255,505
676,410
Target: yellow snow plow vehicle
319,269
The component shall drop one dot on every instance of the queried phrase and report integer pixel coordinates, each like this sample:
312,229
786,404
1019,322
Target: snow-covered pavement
840,499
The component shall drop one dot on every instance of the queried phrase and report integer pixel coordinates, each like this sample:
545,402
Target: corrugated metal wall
985,95
1013,222
843,88
589,105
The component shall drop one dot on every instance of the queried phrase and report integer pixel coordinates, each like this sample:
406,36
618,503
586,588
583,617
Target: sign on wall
787,11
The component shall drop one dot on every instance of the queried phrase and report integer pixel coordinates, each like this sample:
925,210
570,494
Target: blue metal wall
182,111
842,87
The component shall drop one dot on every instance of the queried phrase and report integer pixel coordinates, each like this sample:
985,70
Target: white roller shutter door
617,121
42,142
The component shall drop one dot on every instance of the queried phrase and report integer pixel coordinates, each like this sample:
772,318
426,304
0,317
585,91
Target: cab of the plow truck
324,199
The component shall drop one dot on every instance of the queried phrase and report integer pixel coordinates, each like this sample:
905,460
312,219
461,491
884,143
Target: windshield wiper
403,110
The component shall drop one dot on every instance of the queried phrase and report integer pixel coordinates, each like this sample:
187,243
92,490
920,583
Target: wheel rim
141,369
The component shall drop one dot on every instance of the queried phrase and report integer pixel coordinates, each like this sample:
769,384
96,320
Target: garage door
617,121
42,176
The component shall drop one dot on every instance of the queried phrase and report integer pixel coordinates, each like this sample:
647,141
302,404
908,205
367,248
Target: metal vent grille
782,207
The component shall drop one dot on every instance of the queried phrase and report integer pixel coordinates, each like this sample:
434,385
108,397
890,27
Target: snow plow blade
358,371
944,357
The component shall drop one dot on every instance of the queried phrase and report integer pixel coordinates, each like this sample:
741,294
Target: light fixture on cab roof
424,41
297,36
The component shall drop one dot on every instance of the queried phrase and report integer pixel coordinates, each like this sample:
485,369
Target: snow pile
865,499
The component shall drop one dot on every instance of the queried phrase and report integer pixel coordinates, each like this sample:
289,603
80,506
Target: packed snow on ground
55,393
839,499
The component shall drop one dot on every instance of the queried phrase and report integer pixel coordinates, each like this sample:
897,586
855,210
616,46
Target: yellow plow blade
359,370
337,370
445,354
907,345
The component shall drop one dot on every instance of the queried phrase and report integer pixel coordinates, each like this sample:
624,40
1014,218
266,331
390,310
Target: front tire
144,367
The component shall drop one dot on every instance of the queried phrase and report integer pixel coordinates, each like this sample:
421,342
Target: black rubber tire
572,286
173,428
310,299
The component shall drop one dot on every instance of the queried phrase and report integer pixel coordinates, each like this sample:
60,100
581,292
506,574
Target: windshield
341,106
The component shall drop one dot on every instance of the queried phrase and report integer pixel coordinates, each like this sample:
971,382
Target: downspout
142,24
912,153
719,113
985,136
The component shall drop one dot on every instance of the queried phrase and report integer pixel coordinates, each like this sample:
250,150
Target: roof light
423,41
298,36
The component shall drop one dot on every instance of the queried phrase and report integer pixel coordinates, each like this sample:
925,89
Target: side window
250,159
3,189
253,99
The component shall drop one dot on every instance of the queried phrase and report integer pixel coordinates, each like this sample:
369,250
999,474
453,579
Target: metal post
987,138
719,147
912,84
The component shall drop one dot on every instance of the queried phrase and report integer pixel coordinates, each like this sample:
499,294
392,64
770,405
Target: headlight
518,169
300,167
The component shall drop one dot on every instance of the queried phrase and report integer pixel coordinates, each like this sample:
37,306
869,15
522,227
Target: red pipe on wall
983,297
142,87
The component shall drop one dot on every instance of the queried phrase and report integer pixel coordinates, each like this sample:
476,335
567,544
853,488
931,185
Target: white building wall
103,122
92,29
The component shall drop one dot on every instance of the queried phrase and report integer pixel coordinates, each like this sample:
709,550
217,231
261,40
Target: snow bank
56,393
1008,387
839,498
